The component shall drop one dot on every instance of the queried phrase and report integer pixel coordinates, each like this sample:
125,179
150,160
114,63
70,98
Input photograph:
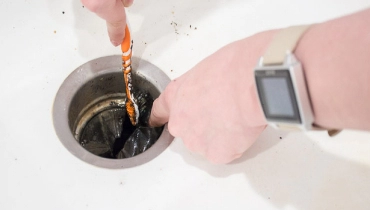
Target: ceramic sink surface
43,41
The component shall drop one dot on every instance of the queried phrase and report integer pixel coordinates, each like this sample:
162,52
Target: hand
214,107
113,11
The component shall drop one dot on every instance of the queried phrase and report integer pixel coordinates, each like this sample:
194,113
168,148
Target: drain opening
109,133
90,119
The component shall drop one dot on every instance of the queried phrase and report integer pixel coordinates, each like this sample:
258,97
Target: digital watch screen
277,96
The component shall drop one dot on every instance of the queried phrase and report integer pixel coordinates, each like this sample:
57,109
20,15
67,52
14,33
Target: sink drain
90,117
110,134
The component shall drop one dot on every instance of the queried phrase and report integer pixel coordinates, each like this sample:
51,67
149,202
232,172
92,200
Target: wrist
311,53
281,83
253,48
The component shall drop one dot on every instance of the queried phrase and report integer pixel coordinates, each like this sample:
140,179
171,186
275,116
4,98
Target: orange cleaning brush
131,105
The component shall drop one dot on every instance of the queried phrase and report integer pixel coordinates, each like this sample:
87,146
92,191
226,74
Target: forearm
336,59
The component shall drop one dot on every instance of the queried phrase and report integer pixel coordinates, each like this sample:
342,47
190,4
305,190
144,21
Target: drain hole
89,114
110,134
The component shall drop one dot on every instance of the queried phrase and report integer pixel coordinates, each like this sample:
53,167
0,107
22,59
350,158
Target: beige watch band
283,43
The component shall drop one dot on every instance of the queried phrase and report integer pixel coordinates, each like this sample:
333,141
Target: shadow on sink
291,170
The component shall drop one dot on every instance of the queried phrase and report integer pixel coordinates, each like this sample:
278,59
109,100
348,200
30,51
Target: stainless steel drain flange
97,88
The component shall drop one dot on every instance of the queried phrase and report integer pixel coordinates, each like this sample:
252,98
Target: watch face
277,96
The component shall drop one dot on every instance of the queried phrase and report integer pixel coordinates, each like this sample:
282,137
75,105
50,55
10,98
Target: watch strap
284,42
331,132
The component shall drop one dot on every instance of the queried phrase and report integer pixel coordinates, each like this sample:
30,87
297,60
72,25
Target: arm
113,11
336,59
214,107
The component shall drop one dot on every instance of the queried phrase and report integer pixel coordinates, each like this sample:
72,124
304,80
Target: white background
40,46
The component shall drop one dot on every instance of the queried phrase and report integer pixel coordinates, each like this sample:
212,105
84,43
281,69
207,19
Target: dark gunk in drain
110,134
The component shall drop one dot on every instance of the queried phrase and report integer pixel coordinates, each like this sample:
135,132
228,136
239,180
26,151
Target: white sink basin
42,42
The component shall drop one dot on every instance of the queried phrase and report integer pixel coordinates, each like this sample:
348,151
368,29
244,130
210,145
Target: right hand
113,11
214,107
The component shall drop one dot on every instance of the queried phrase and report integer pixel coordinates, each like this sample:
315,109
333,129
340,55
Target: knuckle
222,155
216,158
189,144
195,144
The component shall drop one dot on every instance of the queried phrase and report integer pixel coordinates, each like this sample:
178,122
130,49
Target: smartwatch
281,84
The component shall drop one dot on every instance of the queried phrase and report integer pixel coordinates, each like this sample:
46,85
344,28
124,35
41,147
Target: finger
116,31
127,3
113,11
160,111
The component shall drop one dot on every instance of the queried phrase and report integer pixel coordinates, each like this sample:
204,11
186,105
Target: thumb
160,113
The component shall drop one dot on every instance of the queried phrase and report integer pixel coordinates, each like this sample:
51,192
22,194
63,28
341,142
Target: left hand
113,11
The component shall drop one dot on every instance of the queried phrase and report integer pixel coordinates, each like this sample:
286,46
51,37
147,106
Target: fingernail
127,3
